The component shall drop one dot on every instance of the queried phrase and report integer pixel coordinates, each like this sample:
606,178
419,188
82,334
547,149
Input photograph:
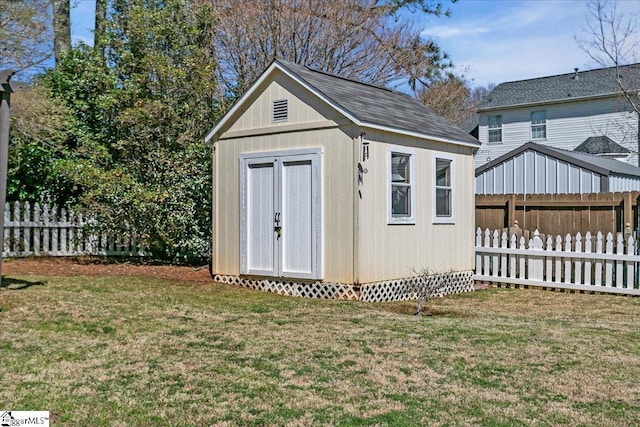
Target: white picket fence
47,231
603,264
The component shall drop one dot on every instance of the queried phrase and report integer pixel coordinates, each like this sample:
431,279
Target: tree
610,40
138,155
366,40
61,28
100,22
452,97
25,34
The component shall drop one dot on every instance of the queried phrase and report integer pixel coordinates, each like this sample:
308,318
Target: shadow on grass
409,308
17,284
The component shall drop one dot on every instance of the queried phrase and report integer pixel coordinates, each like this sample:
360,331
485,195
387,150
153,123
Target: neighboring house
329,187
539,169
582,110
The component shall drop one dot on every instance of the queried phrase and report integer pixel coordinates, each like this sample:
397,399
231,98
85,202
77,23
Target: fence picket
495,266
558,275
38,224
578,261
608,276
46,217
567,263
16,230
631,250
598,263
478,256
619,264
26,232
587,261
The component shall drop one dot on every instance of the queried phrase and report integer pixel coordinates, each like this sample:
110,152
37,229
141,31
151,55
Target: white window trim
411,219
444,219
489,129
531,125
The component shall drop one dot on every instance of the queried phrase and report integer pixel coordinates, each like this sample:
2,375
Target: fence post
522,273
536,262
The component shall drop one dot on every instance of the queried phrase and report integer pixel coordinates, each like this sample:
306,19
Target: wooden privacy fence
559,213
604,264
46,231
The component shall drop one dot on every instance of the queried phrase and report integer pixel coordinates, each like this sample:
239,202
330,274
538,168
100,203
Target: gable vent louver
280,110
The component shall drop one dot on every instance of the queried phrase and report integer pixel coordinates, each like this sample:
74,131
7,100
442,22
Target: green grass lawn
141,351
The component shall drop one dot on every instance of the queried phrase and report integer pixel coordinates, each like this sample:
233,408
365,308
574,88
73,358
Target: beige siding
303,107
394,251
337,197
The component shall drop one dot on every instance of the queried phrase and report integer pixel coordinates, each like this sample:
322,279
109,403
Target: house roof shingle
379,106
600,145
563,87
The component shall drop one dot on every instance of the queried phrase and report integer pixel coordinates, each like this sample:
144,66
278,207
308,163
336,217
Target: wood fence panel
559,213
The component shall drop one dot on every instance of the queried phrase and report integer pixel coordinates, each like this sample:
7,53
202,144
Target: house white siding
531,172
568,125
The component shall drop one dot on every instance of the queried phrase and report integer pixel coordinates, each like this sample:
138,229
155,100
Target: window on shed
495,128
539,125
443,211
401,186
280,110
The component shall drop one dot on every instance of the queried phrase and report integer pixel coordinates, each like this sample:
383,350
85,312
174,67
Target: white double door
280,214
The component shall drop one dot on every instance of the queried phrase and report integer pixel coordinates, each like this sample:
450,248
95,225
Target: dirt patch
50,266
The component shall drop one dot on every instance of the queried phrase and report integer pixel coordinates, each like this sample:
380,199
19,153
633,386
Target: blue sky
494,40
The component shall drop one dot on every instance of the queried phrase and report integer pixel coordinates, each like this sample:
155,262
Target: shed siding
393,251
337,197
568,125
624,183
302,109
531,172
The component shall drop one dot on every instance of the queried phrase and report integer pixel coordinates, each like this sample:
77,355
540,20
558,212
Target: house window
495,128
443,206
280,110
401,166
539,125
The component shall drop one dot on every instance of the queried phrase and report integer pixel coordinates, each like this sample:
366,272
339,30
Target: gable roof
561,88
597,164
600,145
365,105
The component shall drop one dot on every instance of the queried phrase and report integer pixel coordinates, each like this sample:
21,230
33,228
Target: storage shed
328,187
540,169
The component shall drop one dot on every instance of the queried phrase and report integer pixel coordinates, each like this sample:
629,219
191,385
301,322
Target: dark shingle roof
601,165
600,145
562,87
379,106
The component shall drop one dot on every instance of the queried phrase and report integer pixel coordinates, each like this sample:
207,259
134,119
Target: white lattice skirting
390,290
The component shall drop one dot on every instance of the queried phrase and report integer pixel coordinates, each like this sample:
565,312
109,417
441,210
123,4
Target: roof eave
547,151
554,101
420,135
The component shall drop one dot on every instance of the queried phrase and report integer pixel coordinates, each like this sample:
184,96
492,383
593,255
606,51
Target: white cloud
443,32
